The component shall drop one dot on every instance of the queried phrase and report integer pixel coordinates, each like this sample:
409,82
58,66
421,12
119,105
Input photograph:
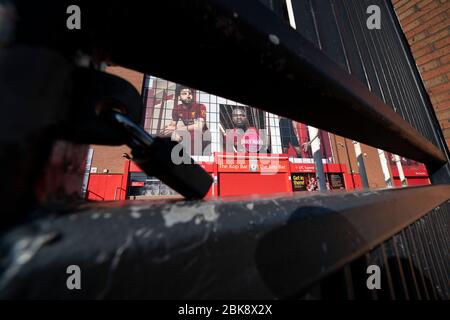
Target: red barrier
103,187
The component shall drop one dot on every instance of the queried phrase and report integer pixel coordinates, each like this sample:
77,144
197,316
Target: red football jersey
189,113
250,141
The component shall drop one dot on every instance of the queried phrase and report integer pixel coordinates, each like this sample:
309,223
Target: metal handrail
273,246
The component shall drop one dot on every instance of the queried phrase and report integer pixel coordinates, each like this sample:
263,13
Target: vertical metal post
313,132
87,171
385,168
317,156
290,11
400,170
361,165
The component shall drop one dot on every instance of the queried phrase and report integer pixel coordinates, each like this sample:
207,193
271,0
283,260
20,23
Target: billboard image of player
289,139
188,121
239,134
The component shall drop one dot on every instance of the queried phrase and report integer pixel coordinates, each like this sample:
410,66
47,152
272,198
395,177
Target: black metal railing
300,247
414,265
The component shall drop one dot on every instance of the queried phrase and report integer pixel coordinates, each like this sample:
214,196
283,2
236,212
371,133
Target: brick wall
110,158
344,153
426,24
107,157
133,77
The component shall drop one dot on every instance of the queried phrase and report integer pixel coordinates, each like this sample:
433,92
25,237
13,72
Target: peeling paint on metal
139,232
22,253
198,220
148,233
95,216
136,210
274,39
324,247
101,258
114,264
182,214
135,214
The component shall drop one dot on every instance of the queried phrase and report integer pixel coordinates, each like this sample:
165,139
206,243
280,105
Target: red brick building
426,24
110,158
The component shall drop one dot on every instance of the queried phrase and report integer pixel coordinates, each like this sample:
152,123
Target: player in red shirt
189,116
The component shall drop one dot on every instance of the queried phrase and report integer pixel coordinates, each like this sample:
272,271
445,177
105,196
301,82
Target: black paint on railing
260,248
414,264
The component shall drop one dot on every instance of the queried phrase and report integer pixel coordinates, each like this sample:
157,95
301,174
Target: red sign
207,166
411,171
302,167
268,165
309,167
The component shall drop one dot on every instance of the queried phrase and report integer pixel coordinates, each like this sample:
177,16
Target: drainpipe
317,155
385,168
361,165
400,170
